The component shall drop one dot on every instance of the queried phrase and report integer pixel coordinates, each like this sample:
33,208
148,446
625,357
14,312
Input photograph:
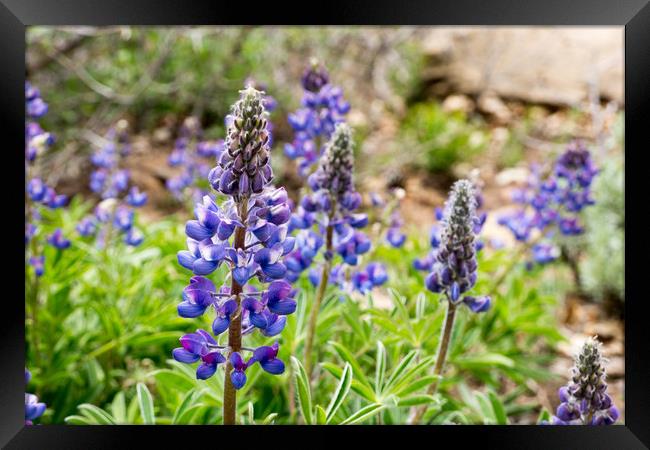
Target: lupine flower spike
111,183
454,272
192,155
333,202
552,202
38,194
248,234
584,400
322,108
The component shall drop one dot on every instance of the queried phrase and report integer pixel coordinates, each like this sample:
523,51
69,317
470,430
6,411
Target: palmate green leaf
340,393
321,415
304,392
172,379
97,415
400,369
403,380
145,401
364,413
78,420
185,404
118,408
485,408
380,367
418,384
270,419
361,389
348,357
498,408
416,400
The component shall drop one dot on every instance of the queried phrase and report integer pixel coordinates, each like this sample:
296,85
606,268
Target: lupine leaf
145,401
98,415
499,410
380,367
118,408
269,419
78,420
304,392
361,389
363,414
400,369
185,404
416,400
341,392
321,415
347,356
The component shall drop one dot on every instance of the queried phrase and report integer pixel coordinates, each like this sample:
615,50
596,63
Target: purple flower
57,240
553,201
33,408
136,198
584,400
454,271
248,232
322,108
111,182
373,275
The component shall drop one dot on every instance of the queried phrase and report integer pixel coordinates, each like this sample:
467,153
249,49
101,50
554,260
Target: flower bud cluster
455,270
323,106
584,400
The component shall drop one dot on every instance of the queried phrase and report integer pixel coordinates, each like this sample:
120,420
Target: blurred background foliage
100,344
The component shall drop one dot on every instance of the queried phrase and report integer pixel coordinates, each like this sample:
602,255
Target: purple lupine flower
584,400
136,198
373,275
553,201
426,263
111,183
57,240
333,201
38,194
249,233
193,156
33,408
454,271
322,108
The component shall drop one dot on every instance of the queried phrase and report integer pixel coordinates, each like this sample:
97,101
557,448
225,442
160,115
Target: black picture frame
632,15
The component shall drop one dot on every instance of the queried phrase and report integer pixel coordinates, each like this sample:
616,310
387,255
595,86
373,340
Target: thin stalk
445,338
322,287
234,331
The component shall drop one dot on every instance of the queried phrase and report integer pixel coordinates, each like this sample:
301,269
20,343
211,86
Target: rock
492,105
550,65
513,175
455,103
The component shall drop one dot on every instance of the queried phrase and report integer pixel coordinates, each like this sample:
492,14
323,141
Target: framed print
396,217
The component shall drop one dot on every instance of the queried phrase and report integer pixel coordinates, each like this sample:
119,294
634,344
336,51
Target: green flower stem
443,348
322,287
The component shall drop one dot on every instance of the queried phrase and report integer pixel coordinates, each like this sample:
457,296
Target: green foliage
108,319
439,139
602,268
